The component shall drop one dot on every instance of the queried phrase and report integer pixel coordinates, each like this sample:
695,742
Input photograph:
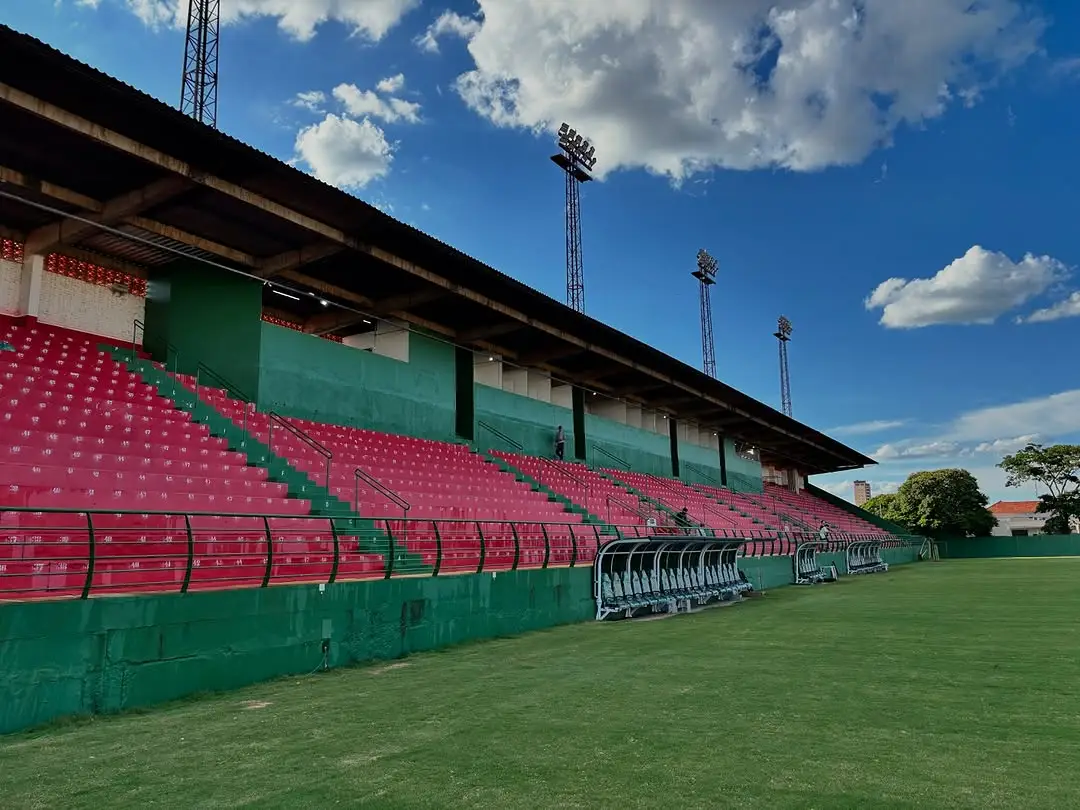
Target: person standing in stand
560,443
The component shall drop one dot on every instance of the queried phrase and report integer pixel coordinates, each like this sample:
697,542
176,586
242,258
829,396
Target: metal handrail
261,570
317,446
701,471
684,496
229,388
359,474
664,521
172,354
512,442
621,462
548,462
136,325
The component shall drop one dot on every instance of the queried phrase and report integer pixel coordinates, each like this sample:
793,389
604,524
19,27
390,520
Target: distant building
862,492
1017,518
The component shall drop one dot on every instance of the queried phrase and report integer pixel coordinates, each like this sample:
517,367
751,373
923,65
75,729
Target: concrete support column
33,270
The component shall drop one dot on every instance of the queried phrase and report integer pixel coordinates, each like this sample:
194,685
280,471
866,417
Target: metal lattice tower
577,159
199,90
783,336
706,275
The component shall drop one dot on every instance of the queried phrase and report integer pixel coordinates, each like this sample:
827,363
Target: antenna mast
199,89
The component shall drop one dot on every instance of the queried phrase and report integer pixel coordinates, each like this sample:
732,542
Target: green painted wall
532,424
1050,545
643,450
527,421
311,378
744,475
97,656
106,655
210,316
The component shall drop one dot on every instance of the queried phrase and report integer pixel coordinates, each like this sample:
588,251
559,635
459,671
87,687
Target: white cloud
867,428
1053,416
361,103
908,449
344,152
996,430
313,100
679,86
1069,308
1006,446
1067,68
298,18
391,84
976,288
449,23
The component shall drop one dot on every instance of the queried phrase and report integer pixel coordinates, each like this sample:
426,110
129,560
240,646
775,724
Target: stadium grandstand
218,372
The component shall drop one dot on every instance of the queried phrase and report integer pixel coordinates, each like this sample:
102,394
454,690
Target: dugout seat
864,557
634,577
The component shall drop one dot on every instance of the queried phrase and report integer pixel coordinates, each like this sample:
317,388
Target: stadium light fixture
284,294
783,336
706,276
577,158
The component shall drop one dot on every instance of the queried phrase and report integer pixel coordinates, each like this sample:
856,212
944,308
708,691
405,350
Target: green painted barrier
1061,545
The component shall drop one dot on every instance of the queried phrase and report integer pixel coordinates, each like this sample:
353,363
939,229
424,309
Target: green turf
939,685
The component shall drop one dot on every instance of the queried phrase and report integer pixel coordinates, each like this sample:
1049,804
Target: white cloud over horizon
977,288
1067,308
867,428
300,19
976,441
680,86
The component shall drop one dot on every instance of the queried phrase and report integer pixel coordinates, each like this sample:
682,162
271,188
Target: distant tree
943,503
1058,469
883,506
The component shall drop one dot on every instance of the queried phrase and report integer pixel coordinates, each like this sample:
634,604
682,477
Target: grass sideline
936,685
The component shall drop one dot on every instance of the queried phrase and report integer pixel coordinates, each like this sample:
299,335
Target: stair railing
683,495
662,518
373,483
306,438
203,371
172,356
136,327
548,463
701,472
621,463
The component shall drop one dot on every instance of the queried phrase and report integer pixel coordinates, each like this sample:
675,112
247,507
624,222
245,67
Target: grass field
945,685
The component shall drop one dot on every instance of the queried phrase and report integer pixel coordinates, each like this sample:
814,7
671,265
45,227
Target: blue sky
818,149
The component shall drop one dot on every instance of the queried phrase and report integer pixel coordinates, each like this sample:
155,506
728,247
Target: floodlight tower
783,335
577,159
706,275
199,89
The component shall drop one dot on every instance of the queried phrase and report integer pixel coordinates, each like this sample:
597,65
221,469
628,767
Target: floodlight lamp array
707,265
576,147
783,328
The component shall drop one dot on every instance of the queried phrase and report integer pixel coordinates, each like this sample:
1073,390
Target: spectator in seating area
6,347
682,520
823,532
560,443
